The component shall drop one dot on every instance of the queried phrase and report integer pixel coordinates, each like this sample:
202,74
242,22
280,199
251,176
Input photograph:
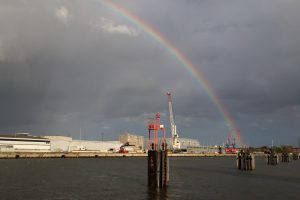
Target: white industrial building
23,142
185,143
102,146
62,143
188,143
27,142
59,143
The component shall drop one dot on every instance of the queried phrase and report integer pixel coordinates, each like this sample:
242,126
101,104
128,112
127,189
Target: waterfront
91,154
126,178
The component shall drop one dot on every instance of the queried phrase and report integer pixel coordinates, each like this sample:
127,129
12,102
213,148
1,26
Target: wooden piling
245,161
295,156
158,161
252,160
285,157
164,169
158,168
153,168
272,158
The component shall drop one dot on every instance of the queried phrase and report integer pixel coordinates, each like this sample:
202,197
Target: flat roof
21,136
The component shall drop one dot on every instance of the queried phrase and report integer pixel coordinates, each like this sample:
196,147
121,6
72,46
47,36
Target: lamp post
102,134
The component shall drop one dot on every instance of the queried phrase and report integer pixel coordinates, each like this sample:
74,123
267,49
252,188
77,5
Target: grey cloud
58,75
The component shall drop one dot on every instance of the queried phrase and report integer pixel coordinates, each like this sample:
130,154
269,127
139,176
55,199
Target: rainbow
180,57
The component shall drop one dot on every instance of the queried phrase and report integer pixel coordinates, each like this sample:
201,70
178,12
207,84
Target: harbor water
126,178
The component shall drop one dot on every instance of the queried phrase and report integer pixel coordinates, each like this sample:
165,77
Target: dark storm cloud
51,68
65,64
250,59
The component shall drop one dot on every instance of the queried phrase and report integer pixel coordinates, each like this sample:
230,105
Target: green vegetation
281,149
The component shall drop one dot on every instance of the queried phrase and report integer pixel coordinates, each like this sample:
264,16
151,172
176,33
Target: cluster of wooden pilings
272,158
245,160
158,168
158,161
285,157
295,156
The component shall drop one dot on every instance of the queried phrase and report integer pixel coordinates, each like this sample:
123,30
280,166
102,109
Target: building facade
185,143
132,140
23,142
67,144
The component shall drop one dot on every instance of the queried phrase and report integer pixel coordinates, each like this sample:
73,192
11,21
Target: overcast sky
66,65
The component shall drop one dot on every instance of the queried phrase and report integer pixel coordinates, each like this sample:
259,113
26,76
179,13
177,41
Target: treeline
266,149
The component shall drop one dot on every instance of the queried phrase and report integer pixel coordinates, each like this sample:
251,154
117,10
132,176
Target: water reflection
157,194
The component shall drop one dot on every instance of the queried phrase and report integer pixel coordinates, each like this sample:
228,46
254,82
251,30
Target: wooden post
164,169
153,168
245,161
158,168
285,157
239,161
272,158
295,156
252,162
158,161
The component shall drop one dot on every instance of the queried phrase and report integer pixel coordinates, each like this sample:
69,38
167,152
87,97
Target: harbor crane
230,146
175,136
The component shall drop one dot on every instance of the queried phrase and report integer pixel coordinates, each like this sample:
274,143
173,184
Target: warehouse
23,142
64,144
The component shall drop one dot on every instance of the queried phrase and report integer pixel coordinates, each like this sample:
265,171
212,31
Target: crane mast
175,141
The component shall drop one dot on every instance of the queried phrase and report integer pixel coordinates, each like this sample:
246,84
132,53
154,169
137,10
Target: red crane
230,146
154,129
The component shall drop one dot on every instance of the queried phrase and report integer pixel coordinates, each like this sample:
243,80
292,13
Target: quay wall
13,155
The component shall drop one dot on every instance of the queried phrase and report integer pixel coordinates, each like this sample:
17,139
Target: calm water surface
125,178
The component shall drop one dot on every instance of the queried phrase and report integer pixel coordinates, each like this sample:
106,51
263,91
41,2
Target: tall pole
102,136
80,134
